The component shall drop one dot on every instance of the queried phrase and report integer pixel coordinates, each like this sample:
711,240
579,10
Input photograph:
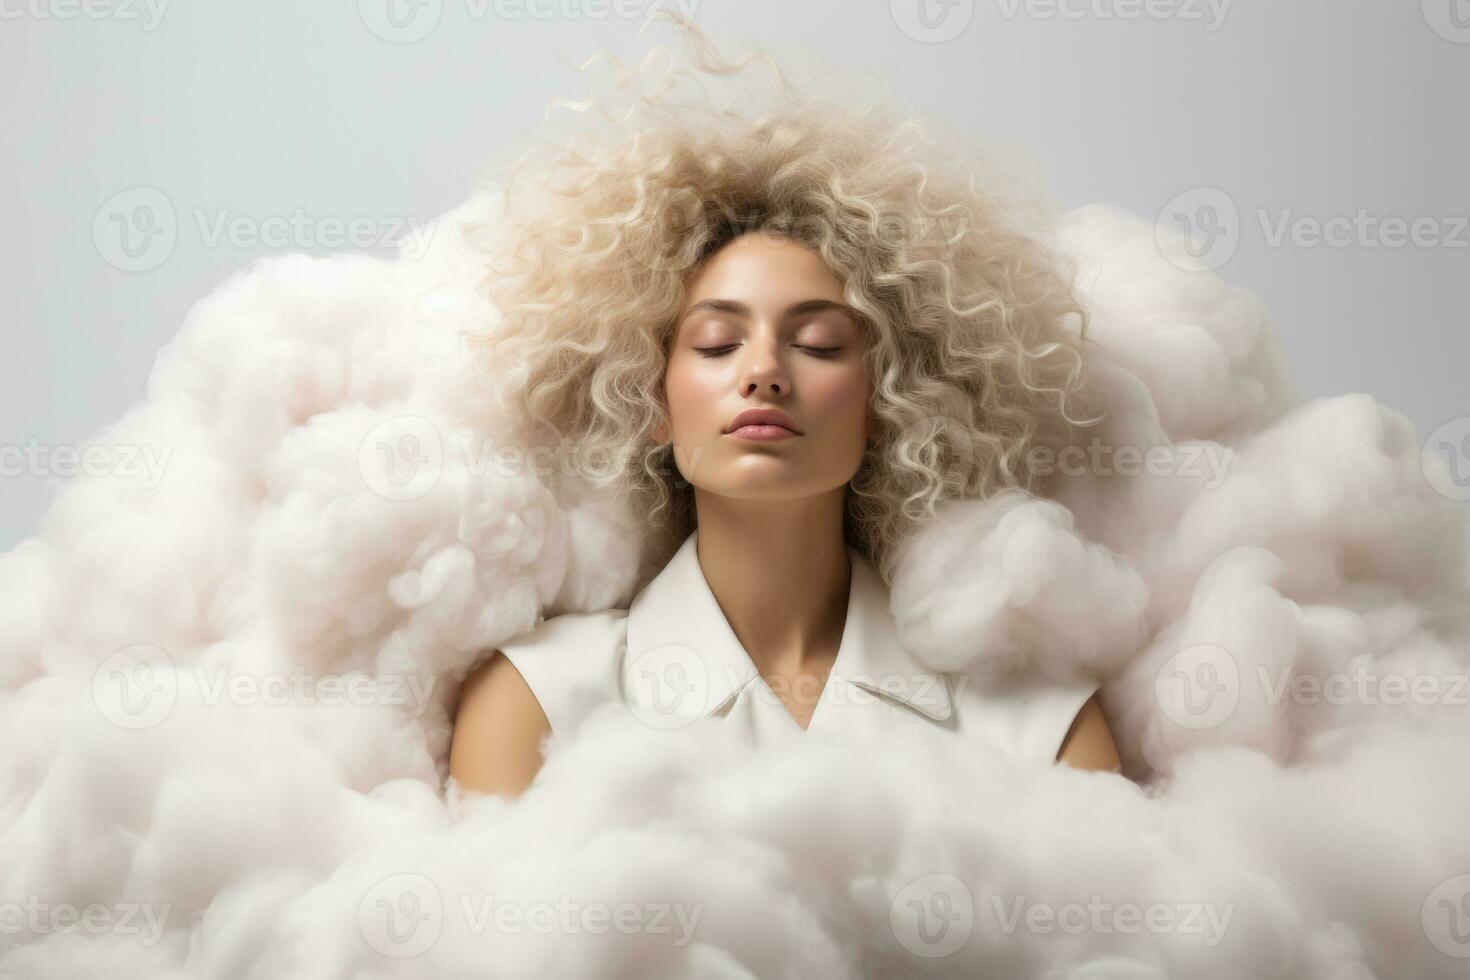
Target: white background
1318,107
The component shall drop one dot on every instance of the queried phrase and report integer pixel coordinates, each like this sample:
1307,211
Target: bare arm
1089,743
498,728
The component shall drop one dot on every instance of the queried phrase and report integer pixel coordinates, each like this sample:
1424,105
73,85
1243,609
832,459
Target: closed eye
726,348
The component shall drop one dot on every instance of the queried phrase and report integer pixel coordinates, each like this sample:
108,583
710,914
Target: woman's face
764,326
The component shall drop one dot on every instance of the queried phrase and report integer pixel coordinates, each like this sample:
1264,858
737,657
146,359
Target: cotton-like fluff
227,678
1008,584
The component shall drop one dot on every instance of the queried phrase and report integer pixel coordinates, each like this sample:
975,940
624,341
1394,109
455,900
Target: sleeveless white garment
672,658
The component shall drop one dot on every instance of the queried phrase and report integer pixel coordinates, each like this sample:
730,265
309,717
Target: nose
763,371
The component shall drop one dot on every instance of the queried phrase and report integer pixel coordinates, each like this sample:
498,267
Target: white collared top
672,659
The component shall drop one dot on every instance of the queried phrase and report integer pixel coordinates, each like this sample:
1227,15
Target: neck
780,572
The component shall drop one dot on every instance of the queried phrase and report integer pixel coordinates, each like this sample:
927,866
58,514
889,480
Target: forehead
762,267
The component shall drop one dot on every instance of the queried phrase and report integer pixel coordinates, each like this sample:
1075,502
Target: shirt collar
685,662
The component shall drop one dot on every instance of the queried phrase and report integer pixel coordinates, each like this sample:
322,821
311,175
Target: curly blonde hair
974,334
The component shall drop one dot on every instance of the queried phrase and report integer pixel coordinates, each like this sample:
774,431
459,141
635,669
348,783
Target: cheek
842,399
691,395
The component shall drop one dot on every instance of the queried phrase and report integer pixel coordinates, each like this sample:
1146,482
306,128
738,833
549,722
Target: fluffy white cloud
224,696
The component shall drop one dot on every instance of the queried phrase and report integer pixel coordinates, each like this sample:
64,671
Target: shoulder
571,662
1028,714
557,631
543,681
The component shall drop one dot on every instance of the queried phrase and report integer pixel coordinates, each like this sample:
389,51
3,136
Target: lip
763,424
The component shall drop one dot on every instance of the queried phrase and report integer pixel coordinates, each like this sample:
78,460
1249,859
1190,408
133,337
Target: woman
807,334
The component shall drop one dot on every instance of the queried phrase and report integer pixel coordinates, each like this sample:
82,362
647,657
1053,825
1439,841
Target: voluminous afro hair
974,334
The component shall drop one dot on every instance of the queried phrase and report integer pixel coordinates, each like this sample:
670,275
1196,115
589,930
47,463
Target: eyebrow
738,308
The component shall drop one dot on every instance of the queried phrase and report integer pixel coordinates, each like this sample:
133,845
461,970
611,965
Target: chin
760,490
